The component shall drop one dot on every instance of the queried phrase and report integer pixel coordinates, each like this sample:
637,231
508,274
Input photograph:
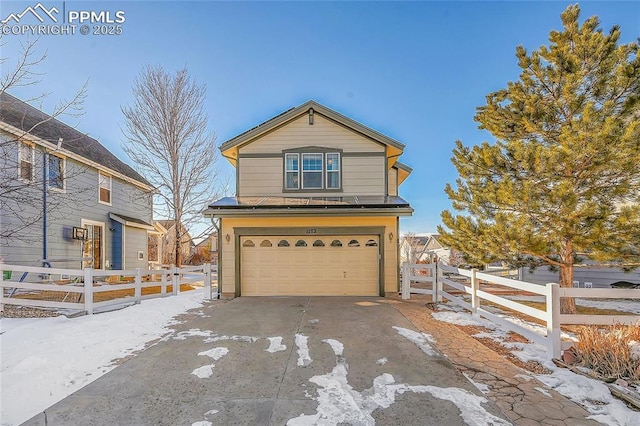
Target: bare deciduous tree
167,135
22,201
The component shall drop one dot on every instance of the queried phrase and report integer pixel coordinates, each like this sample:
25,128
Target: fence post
88,290
439,282
163,282
434,283
175,282
137,294
207,281
406,280
475,299
554,343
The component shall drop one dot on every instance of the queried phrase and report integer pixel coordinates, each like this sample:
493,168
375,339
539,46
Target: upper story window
56,166
312,171
26,157
104,188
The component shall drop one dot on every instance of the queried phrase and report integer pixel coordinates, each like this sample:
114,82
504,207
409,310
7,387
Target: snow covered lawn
44,360
592,394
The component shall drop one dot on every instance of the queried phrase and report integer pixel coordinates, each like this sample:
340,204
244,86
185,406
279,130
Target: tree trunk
567,304
178,247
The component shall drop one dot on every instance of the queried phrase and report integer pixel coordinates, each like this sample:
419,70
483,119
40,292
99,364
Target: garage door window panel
318,243
336,243
354,243
301,243
266,243
283,243
248,243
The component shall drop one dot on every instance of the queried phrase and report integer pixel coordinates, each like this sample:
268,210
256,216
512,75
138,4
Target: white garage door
309,266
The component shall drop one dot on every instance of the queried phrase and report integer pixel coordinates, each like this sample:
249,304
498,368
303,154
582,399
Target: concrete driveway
282,360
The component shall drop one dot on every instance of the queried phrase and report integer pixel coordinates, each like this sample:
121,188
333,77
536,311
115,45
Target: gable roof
30,120
229,148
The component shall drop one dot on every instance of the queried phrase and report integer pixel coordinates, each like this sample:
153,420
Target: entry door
93,246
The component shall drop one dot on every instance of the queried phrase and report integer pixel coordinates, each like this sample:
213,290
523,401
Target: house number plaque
311,231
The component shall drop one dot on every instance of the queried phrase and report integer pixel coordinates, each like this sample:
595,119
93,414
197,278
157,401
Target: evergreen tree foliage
563,175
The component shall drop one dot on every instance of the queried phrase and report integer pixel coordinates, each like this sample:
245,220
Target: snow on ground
303,350
591,394
340,403
206,371
46,359
275,345
421,340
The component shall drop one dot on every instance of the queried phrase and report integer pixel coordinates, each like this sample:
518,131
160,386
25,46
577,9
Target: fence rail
84,285
454,283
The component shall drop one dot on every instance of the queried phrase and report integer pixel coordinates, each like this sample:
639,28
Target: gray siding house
65,200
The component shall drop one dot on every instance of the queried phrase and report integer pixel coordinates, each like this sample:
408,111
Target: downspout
44,209
219,250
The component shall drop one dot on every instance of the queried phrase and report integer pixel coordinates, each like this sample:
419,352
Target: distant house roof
26,118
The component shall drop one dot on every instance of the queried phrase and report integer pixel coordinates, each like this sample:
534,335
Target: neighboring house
316,210
206,251
169,242
423,248
66,200
595,276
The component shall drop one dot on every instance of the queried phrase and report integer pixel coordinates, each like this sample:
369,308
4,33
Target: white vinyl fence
79,290
445,280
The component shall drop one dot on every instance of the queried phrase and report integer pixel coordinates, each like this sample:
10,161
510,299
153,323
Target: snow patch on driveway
215,353
304,359
275,345
204,372
422,340
338,347
339,403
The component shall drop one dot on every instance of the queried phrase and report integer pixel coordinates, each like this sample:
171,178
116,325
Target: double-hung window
292,171
104,188
333,170
56,172
314,171
25,161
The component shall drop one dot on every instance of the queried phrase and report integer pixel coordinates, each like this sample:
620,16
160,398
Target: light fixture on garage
390,236
227,237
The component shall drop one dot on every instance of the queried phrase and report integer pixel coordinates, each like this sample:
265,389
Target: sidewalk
512,389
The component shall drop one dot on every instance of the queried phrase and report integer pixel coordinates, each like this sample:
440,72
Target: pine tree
563,175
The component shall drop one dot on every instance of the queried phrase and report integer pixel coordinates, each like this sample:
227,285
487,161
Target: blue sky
414,71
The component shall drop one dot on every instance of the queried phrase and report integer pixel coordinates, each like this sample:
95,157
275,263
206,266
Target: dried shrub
611,351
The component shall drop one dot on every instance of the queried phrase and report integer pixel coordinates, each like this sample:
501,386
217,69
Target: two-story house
66,201
316,210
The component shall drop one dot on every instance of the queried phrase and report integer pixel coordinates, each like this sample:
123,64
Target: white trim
110,202
22,135
291,171
321,171
64,173
326,170
33,162
124,247
103,243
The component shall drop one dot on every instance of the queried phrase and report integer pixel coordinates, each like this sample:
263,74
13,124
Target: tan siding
392,182
260,177
323,133
263,177
363,175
